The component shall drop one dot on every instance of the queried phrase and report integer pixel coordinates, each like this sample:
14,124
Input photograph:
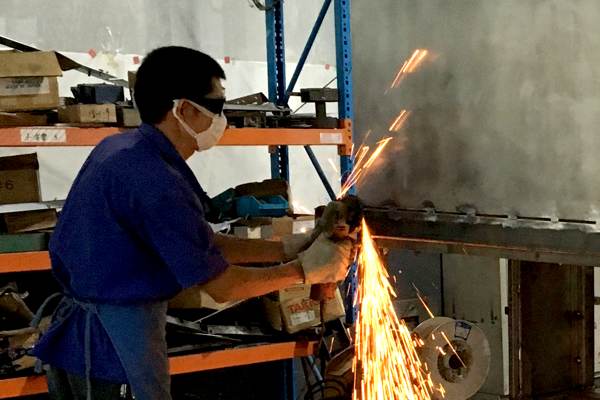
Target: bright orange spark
399,121
453,349
441,390
426,307
443,334
386,364
409,66
361,166
380,146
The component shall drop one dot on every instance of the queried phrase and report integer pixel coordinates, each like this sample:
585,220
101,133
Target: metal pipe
307,47
315,163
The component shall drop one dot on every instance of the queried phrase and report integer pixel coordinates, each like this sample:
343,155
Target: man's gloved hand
295,243
332,223
326,261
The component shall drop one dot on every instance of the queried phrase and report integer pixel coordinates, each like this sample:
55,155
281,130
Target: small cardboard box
30,221
22,119
88,113
19,180
128,117
28,81
282,226
247,232
292,309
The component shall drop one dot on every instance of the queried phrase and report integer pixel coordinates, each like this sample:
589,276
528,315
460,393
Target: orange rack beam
74,136
24,262
32,385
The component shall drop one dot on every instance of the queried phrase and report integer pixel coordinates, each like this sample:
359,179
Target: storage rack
276,138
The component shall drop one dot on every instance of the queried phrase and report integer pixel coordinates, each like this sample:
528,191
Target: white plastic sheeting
112,35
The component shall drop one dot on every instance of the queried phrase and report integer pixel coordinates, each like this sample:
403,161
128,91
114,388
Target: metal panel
484,306
504,111
556,328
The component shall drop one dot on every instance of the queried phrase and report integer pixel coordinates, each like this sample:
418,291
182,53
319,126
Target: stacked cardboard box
28,81
19,183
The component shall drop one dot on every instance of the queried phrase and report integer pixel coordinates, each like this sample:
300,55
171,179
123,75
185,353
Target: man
133,234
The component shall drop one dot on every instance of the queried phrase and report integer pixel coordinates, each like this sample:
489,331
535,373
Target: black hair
169,73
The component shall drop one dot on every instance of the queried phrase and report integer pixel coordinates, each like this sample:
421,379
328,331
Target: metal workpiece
503,107
531,240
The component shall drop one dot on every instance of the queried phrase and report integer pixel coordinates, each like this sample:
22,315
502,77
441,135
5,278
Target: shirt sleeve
171,223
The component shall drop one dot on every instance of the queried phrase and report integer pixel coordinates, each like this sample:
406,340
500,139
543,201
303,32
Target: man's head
179,90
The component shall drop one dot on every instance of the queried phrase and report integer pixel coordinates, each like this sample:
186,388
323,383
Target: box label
331,138
24,86
302,317
43,135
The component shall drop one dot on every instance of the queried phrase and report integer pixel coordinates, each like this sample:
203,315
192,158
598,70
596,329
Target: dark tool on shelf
320,97
253,110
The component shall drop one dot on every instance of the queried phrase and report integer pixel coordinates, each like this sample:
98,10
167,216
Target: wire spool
461,371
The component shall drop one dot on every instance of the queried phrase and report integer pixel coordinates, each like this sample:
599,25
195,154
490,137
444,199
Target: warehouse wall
116,31
505,110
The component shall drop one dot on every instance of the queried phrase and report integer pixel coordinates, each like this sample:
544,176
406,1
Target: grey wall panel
505,114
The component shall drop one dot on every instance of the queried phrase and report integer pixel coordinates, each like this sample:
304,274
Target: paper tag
331,138
462,330
26,86
302,317
43,135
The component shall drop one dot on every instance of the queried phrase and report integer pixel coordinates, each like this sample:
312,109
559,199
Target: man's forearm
242,251
238,283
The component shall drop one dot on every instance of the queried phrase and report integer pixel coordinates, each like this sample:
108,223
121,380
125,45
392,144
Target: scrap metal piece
66,63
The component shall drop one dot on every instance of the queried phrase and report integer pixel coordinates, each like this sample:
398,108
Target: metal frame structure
279,93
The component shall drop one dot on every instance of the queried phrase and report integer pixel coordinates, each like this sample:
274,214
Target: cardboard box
247,232
23,119
128,117
28,81
88,113
292,309
30,221
19,180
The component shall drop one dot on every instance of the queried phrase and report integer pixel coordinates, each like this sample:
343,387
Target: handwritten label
7,184
43,135
331,138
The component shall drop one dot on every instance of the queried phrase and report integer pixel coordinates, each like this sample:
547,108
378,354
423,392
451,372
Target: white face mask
209,137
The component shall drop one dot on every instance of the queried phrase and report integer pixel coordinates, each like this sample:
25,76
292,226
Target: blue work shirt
132,231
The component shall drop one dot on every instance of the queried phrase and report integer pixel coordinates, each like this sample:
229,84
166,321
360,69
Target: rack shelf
24,262
32,385
77,136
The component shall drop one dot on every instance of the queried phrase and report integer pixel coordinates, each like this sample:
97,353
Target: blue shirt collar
172,156
162,143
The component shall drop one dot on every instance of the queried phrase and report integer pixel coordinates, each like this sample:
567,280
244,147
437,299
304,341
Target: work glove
295,243
326,261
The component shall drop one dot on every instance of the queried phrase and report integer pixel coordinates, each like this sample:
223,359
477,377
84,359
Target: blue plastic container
268,206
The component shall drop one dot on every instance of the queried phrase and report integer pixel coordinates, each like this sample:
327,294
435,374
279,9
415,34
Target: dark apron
137,333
